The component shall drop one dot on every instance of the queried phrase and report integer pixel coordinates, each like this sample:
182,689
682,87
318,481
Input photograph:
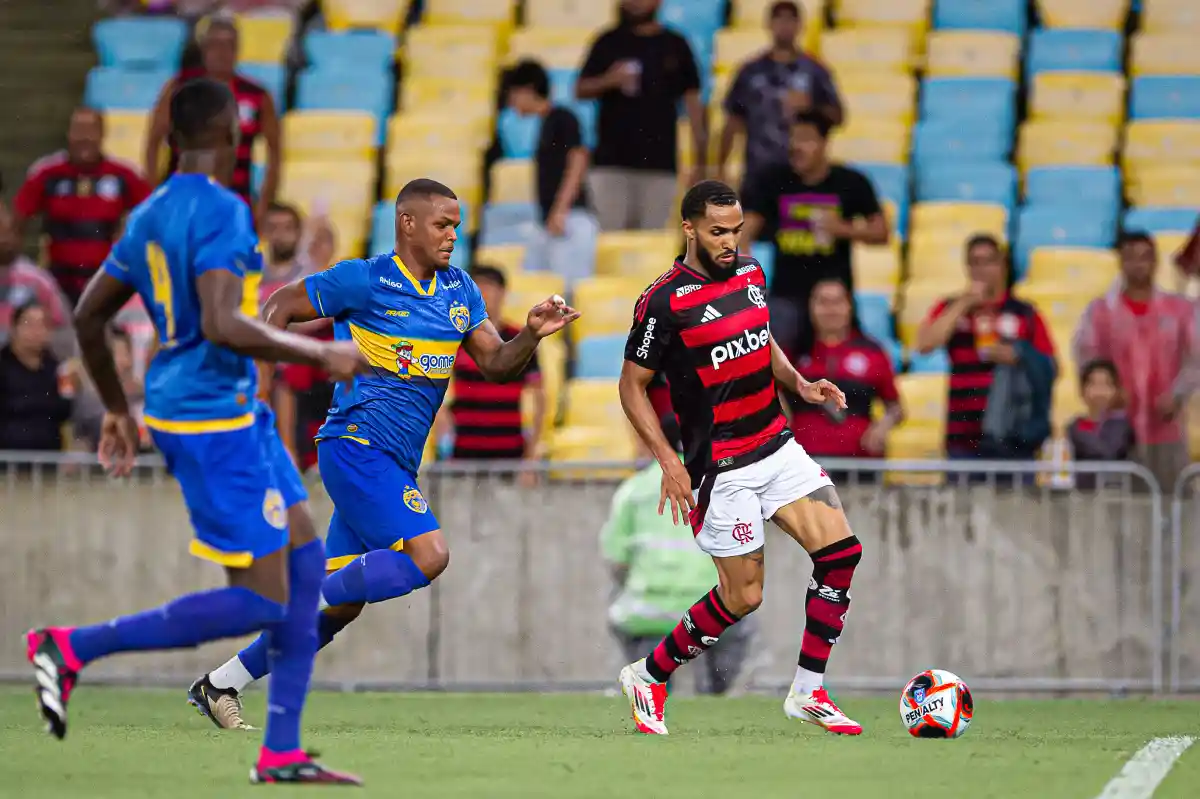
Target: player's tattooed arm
103,298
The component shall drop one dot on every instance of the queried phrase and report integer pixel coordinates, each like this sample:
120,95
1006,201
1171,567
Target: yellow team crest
460,316
273,510
414,501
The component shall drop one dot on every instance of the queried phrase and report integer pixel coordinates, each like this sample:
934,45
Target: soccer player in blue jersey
191,253
408,311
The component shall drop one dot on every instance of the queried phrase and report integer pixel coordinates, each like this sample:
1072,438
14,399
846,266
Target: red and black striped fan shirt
712,340
487,416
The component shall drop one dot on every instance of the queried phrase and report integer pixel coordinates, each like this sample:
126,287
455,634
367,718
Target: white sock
231,675
639,669
322,604
807,681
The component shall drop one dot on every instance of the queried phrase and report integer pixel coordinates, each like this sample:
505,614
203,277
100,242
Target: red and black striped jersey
712,340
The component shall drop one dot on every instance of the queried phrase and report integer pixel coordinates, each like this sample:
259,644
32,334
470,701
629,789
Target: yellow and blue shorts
377,503
237,484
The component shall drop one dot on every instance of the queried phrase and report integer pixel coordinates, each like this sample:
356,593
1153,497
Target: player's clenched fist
343,360
550,316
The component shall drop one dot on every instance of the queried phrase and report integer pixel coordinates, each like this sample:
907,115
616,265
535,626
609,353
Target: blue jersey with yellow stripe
410,332
188,226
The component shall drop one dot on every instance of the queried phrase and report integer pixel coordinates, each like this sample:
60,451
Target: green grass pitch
149,743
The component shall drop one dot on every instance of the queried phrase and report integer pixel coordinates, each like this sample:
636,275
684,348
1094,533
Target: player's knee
344,614
431,555
743,599
301,528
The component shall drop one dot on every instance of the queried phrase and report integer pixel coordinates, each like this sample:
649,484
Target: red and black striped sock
828,601
699,629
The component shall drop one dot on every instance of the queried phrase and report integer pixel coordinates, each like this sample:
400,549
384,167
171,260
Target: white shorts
732,506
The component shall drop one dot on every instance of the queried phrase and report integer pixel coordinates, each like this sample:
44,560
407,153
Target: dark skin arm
676,483
103,298
500,360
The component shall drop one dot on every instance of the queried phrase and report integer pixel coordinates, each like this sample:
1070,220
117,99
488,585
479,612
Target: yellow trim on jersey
333,564
230,560
192,426
357,440
251,285
416,284
407,357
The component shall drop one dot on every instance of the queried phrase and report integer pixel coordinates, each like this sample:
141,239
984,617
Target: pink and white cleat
817,708
647,699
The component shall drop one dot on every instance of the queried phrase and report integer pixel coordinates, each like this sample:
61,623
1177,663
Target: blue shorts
377,504
234,485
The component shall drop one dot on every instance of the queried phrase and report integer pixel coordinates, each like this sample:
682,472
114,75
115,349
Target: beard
715,268
282,253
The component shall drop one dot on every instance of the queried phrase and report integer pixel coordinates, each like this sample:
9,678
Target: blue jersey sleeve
224,238
475,303
341,288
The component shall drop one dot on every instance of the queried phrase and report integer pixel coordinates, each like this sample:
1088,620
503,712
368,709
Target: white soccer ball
936,704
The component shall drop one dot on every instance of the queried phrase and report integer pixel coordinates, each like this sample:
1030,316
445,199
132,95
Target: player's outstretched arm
501,361
786,375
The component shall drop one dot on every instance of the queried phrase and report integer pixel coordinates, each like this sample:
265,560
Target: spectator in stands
814,211
486,417
82,197
1104,434
834,349
281,230
639,71
21,282
565,241
256,114
32,409
1002,365
769,90
88,411
1151,336
657,573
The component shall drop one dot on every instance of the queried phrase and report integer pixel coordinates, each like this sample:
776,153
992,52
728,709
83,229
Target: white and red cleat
817,708
647,700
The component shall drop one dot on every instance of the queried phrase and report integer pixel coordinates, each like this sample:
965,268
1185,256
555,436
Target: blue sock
376,576
293,645
254,656
182,623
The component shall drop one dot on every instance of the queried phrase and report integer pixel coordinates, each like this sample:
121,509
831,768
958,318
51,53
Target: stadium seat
972,54
1061,305
452,97
384,15
125,135
513,181
336,185
980,15
493,14
875,314
1166,187
461,51
518,134
1059,226
975,99
1170,15
924,397
272,77
699,18
593,403
871,141
1149,143
958,141
921,295
982,183
462,172
591,444
752,15
915,442
149,43
641,255
764,253
431,131
884,95
329,135
1059,143
1159,220
1091,269
111,88
930,363
1073,51
962,220
497,216
1165,97
356,51
600,357
889,180
527,289
263,39
1100,14
553,48
935,261
849,50
606,304
506,258
569,14
732,47
1168,277
1173,53
877,268
1089,185
319,90
1078,96
383,227
911,15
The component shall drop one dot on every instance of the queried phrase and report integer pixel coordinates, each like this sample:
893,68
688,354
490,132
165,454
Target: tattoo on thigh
759,555
826,495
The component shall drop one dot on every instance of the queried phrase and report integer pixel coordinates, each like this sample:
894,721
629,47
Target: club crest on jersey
756,296
460,317
108,187
246,112
414,501
273,511
404,358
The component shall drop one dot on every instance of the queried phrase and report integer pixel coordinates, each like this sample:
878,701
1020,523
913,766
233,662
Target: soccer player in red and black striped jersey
705,323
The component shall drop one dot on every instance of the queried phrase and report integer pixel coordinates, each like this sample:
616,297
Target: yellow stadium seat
885,95
924,397
527,289
752,14
1058,303
1168,277
1091,270
1106,14
594,443
641,254
1165,186
1062,335
915,442
508,258
349,234
1059,143
1167,16
125,135
1168,53
919,297
569,14
959,220
871,140
1078,96
329,135
490,13
263,39
554,48
732,48
606,304
911,16
513,181
384,15
460,173
976,54
1148,144
593,403
867,50
877,268
461,51
436,131
933,259
451,96
1067,402
341,187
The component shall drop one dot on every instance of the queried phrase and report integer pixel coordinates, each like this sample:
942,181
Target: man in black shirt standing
813,211
639,71
565,242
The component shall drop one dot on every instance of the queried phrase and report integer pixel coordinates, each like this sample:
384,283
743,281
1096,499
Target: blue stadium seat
1064,49
353,51
990,99
764,253
989,15
507,223
272,77
585,111
699,18
1165,97
936,362
383,227
600,357
562,84
140,42
960,141
891,183
875,315
1084,185
324,90
112,88
462,251
1159,220
980,183
518,134
1060,226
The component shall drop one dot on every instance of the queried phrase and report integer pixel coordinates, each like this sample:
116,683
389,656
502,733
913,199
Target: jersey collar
416,284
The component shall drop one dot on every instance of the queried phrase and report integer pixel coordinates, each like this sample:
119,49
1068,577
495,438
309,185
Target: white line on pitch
1145,770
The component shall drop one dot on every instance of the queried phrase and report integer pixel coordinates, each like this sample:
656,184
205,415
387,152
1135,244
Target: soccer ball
936,704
